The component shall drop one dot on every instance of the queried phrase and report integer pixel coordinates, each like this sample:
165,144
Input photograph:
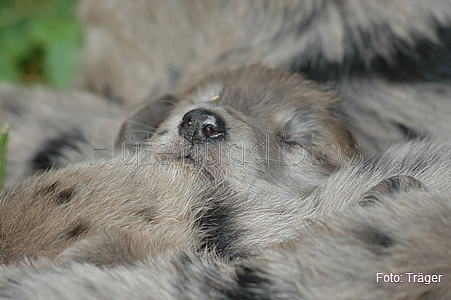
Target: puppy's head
249,126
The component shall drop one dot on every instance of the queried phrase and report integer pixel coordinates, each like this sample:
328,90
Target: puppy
252,126
263,138
395,250
389,61
277,124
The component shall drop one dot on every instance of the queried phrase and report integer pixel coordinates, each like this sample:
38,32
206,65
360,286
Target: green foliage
3,142
39,41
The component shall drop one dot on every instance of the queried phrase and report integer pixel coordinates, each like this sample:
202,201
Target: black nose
201,126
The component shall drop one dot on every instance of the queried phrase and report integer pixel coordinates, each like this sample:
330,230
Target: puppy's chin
192,168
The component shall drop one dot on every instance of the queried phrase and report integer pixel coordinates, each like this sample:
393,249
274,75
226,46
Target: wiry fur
339,258
50,128
390,60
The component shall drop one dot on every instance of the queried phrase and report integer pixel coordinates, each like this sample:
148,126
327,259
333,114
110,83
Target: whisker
141,124
170,102
140,131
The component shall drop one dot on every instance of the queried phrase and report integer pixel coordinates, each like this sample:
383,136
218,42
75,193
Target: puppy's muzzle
202,126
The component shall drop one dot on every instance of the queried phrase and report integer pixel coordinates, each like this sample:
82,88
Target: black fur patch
376,240
65,196
147,215
220,230
61,197
426,62
390,187
77,229
409,133
249,285
111,96
52,149
49,189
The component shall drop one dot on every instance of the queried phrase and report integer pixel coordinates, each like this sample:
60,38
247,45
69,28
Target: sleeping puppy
270,123
251,126
263,138
390,61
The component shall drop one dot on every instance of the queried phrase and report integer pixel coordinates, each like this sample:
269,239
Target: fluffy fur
267,127
50,128
285,231
279,127
389,60
264,138
406,239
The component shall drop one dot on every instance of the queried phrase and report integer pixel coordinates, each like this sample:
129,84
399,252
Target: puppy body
426,161
50,128
396,250
114,214
120,209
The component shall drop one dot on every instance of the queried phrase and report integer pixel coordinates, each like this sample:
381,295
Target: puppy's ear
390,187
142,123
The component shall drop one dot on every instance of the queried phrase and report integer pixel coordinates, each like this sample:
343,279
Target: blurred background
39,42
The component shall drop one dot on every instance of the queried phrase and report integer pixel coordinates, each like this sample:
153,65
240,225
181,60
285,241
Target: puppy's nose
201,126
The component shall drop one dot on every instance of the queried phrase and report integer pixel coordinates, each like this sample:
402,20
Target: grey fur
112,210
366,47
426,161
51,128
275,119
279,129
345,257
389,59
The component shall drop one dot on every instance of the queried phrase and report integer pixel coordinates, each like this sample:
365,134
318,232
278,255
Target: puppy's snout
201,125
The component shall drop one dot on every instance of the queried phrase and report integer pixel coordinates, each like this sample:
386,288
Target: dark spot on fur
249,285
148,214
426,62
409,133
61,196
49,189
65,196
369,200
75,230
111,96
220,230
53,149
390,187
376,240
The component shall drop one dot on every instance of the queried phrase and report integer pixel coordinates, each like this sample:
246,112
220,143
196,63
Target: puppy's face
248,126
